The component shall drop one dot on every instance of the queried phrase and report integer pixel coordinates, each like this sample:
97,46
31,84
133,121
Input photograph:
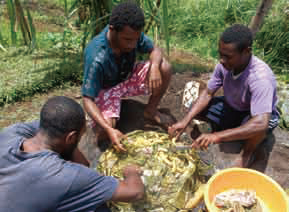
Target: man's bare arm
201,103
94,112
155,77
156,56
255,125
131,188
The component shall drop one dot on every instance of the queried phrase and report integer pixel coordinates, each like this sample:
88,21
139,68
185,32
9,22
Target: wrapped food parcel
170,177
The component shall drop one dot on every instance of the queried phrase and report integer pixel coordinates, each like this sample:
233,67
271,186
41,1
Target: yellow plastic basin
270,194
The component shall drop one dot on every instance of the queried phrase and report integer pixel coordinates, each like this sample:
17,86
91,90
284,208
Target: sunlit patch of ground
29,109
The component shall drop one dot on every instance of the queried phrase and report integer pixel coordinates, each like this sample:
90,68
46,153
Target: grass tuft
26,74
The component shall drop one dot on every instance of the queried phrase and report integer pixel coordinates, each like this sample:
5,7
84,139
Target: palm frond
32,30
2,48
95,14
11,12
165,26
153,14
17,17
22,22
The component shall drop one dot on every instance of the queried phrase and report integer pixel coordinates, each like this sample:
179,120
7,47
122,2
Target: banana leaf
170,177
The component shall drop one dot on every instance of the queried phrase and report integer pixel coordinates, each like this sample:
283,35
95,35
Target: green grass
272,41
5,34
57,59
196,68
41,16
25,74
29,108
204,47
59,3
196,25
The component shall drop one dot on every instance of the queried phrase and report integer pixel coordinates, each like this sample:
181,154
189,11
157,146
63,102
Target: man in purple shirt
247,111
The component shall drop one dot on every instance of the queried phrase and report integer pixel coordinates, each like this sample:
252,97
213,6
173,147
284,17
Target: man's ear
71,138
111,27
248,50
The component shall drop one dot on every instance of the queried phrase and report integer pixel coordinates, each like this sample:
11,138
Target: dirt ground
274,165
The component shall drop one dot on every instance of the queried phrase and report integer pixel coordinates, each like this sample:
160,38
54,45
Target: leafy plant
192,25
39,72
17,16
272,41
94,14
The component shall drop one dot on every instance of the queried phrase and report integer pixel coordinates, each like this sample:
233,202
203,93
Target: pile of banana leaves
171,178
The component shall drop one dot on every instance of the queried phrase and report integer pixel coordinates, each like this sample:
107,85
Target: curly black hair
127,14
61,115
238,34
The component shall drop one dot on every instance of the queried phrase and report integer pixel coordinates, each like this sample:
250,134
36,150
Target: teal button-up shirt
100,68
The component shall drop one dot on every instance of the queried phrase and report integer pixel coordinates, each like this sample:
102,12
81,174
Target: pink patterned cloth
109,100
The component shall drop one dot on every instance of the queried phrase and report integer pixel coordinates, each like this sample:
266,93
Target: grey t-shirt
43,181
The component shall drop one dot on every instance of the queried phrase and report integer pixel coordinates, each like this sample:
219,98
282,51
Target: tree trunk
257,20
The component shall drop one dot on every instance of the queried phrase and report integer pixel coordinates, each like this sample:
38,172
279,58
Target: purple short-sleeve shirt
254,90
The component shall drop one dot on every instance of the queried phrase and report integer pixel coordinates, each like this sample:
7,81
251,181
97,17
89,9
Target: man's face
231,58
127,39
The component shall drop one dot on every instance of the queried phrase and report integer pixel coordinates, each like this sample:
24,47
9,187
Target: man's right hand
115,137
201,103
131,170
177,129
131,188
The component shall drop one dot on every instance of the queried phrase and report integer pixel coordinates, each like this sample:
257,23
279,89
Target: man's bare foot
160,119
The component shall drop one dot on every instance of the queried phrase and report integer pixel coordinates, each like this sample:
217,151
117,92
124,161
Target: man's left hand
155,78
204,140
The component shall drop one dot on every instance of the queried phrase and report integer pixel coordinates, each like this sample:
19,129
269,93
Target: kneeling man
247,111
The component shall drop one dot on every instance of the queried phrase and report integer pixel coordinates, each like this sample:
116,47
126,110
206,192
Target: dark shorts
223,116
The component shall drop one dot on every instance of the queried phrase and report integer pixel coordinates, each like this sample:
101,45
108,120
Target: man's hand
177,129
204,140
132,170
131,188
155,78
116,136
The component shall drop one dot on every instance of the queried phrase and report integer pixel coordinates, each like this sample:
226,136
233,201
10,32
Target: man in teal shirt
110,72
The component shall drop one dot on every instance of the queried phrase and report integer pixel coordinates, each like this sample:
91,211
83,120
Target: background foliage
57,31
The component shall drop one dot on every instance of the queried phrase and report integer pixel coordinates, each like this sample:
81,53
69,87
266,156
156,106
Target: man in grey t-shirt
35,177
247,111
